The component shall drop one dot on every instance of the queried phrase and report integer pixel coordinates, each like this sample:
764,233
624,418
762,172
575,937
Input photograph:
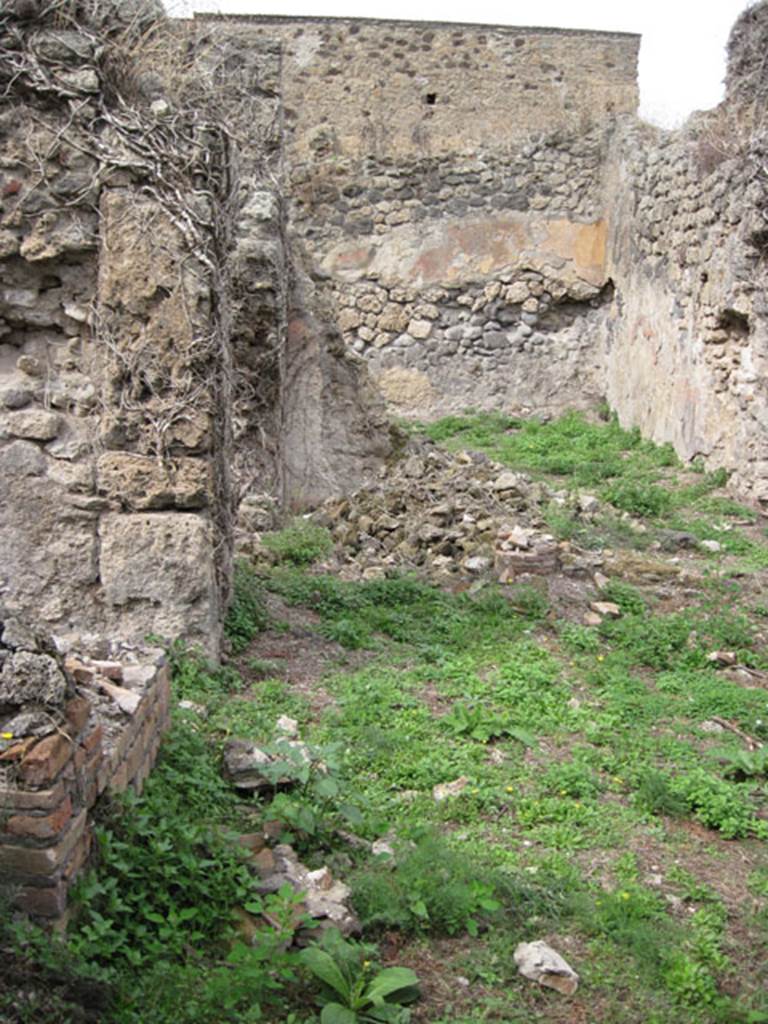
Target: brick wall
50,785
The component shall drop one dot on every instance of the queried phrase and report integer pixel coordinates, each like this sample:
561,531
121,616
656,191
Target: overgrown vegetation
605,797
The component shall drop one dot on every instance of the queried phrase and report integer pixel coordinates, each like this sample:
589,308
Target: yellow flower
510,789
366,964
6,735
600,657
625,895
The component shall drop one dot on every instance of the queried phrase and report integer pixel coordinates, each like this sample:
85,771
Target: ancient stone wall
113,357
444,185
357,88
686,355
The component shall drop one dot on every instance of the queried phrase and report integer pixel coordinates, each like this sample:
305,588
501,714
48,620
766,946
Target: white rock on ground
540,963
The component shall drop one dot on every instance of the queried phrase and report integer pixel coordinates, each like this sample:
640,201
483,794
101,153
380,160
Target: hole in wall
430,99
733,322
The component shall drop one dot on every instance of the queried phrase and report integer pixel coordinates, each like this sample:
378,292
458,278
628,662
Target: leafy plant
627,597
353,991
639,498
300,543
655,795
165,880
480,724
316,802
744,764
431,888
717,804
247,613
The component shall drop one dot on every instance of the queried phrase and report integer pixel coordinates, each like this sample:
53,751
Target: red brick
46,826
79,671
77,711
128,735
79,856
12,799
18,750
119,779
45,760
103,775
48,902
92,739
24,861
111,669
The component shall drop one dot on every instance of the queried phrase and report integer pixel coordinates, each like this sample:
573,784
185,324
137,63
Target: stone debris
30,677
126,700
446,514
190,705
287,726
250,767
521,551
606,609
708,725
722,658
446,790
326,900
540,963
244,765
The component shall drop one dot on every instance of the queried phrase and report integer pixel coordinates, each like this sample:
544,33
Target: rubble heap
446,514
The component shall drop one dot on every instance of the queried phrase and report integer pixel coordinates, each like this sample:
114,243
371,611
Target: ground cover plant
606,784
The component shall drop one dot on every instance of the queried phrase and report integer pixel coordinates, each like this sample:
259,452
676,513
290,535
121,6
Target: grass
596,808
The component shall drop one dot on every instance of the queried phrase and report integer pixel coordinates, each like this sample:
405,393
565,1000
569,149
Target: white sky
682,57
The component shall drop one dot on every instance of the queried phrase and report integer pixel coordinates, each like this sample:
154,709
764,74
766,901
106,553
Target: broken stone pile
41,679
35,690
324,898
444,513
258,769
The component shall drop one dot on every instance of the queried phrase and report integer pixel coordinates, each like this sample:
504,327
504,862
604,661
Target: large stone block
158,575
49,546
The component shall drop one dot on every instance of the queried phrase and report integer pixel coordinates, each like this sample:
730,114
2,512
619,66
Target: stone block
33,424
157,572
77,711
25,862
12,799
50,901
28,677
138,482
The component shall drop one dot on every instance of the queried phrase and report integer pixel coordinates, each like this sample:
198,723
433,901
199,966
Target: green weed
300,543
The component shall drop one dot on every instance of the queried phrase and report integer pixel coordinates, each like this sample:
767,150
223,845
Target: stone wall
114,406
686,354
488,229
445,186
357,88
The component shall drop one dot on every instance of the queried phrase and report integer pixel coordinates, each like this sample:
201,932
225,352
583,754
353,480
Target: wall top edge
286,19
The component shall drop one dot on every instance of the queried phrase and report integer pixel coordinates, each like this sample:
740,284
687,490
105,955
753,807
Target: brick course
45,832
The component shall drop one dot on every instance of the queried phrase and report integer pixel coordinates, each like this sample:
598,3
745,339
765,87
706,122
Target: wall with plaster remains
446,185
686,350
493,228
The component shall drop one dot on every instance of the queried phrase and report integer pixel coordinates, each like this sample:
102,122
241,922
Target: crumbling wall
114,362
444,186
70,728
686,355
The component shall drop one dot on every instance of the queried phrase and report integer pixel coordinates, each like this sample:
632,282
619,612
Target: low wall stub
104,736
